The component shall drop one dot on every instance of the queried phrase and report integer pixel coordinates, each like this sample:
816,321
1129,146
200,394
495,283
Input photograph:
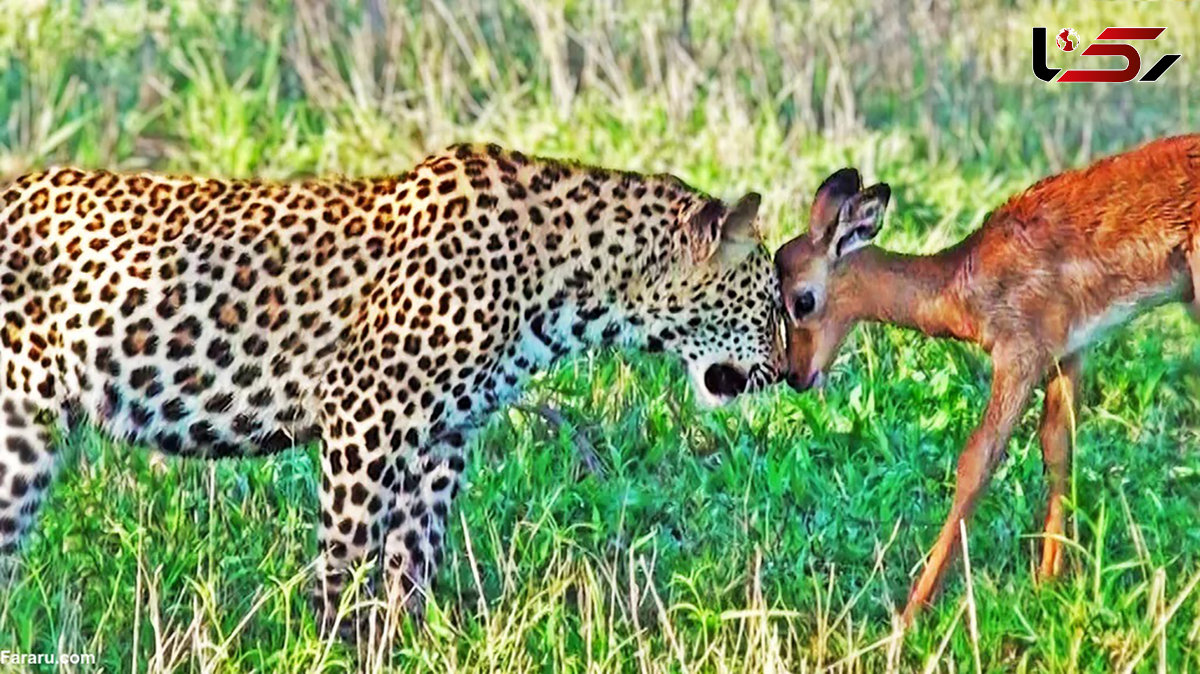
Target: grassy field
779,534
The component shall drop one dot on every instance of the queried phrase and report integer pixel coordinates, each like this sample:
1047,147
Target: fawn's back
1084,250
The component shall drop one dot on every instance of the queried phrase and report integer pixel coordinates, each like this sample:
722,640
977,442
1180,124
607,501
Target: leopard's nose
725,380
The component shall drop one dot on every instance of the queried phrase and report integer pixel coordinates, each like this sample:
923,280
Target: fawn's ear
725,234
828,201
859,220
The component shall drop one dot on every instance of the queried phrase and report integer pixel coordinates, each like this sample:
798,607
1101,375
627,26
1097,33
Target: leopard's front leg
355,497
421,502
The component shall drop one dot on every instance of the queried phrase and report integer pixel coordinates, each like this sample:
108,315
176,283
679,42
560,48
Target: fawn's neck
914,291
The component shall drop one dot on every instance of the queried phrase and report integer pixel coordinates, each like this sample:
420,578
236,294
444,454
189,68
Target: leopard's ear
723,234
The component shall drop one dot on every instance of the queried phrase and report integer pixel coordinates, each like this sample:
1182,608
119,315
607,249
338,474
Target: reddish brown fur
1049,270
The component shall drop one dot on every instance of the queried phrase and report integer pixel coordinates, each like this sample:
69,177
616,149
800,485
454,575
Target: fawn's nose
799,384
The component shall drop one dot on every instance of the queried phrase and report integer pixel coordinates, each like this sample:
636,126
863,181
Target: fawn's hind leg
1194,266
1057,435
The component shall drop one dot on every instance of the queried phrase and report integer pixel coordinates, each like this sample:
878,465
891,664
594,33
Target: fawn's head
843,219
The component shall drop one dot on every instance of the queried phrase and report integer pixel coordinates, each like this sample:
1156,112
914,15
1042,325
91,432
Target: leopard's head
716,304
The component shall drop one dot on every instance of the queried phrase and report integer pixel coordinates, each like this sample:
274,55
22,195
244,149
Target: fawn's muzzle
799,383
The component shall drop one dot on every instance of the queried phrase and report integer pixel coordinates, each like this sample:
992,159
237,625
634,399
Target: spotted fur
384,317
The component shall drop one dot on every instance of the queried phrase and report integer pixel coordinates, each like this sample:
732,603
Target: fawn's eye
803,303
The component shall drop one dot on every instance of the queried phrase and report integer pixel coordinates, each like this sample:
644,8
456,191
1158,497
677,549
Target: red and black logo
1068,41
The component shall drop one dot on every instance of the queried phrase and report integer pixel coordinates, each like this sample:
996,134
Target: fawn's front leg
1013,377
1057,434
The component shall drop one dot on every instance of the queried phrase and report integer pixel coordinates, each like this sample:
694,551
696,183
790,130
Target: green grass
778,534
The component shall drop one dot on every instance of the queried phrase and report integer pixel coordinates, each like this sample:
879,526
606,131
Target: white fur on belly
1093,328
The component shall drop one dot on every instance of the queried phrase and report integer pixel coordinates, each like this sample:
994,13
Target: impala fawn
1044,276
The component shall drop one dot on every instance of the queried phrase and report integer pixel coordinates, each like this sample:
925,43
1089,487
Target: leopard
384,318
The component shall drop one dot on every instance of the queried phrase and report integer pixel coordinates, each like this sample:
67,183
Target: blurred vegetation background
777,535
720,92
